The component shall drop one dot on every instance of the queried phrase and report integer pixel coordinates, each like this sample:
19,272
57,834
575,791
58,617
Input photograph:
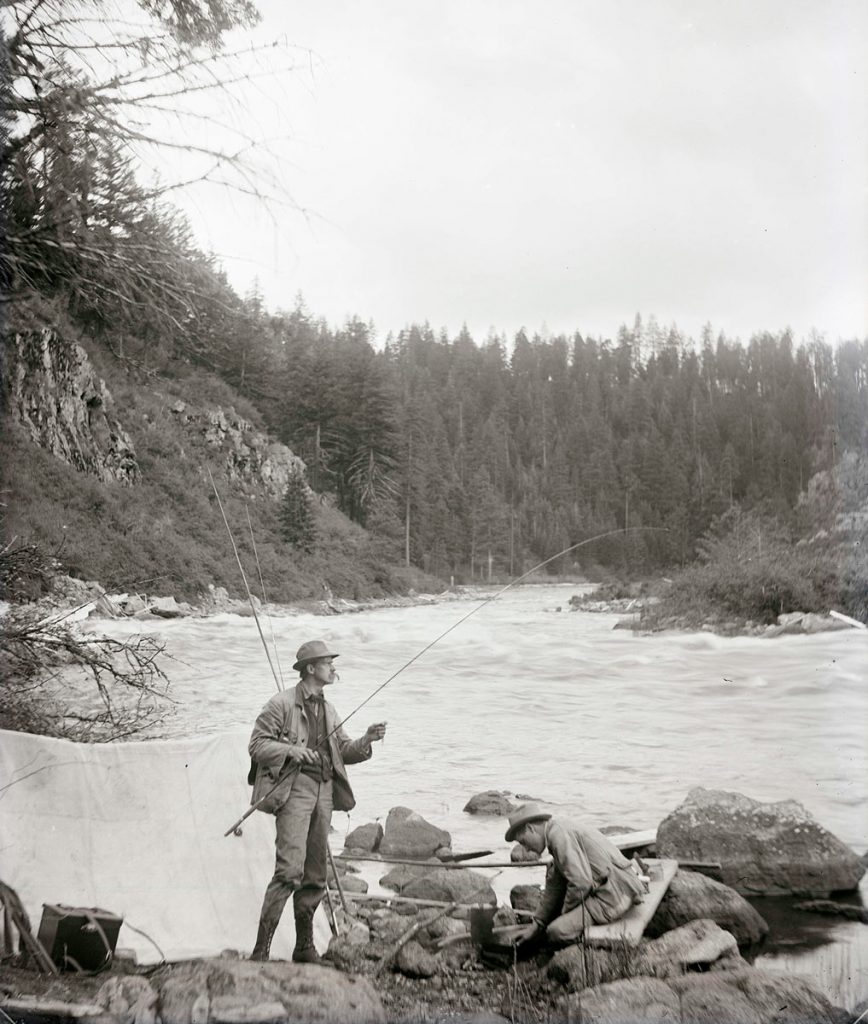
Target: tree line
472,458
479,460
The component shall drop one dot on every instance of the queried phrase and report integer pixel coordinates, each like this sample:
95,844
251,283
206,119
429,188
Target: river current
531,697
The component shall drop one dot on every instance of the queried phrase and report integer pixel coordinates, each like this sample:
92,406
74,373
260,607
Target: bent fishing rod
235,829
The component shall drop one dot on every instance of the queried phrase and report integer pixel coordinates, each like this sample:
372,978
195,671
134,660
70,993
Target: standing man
298,743
589,881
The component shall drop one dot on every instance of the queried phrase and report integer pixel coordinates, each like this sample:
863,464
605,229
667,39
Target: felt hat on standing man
313,650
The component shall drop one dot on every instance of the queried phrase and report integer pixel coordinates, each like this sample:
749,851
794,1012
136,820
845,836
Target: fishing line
487,601
235,829
246,584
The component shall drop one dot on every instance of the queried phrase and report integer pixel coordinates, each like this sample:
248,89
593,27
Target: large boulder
130,998
633,1000
577,967
696,945
691,896
449,886
413,961
491,801
743,996
720,998
771,848
239,991
408,834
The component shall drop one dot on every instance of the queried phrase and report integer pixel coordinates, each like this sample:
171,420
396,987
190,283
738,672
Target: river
531,697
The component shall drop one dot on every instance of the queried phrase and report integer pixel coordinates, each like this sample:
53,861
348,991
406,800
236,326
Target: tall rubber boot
305,951
263,939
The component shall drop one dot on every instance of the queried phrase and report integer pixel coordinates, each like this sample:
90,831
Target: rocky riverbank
644,611
410,955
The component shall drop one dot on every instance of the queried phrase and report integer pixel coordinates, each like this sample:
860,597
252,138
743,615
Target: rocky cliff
252,459
53,391
50,389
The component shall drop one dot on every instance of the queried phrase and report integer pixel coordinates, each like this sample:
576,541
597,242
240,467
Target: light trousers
301,849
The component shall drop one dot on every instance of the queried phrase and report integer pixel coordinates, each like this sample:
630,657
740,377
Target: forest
471,458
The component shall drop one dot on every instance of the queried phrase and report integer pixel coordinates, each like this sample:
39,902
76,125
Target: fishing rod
264,597
235,829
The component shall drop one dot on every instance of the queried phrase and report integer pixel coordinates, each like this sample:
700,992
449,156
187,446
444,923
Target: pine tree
298,524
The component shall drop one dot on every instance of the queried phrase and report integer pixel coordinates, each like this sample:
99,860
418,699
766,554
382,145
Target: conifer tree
297,521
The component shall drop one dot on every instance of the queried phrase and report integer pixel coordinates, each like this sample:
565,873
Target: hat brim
299,665
513,830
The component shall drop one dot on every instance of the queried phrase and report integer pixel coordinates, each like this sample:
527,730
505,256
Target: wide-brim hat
313,650
524,816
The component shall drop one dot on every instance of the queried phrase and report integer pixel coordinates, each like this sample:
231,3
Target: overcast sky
562,165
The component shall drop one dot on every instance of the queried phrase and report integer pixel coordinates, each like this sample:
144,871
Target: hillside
106,469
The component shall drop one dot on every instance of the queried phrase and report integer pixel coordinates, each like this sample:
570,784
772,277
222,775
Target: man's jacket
284,722
586,866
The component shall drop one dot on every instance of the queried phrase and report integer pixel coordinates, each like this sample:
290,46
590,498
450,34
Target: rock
53,392
106,607
459,886
415,962
711,999
250,458
387,926
783,999
836,909
695,944
352,883
408,834
771,848
132,604
633,1000
576,967
229,991
443,926
490,802
691,896
401,874
525,897
167,608
131,999
366,838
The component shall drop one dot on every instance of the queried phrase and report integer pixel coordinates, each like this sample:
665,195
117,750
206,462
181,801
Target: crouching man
299,751
588,882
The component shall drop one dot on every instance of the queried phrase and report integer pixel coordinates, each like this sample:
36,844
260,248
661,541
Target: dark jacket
283,722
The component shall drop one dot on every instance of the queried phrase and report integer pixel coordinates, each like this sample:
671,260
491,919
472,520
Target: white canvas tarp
137,829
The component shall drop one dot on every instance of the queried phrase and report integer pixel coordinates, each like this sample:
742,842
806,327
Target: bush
750,569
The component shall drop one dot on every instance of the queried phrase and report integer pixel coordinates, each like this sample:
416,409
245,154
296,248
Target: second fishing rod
235,828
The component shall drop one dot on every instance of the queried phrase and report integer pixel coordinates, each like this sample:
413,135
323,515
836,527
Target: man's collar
310,693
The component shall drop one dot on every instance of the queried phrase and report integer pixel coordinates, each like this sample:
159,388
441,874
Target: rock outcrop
252,459
53,392
691,896
762,848
742,996
211,991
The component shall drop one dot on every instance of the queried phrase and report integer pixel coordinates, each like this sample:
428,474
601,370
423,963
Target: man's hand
527,934
301,755
377,731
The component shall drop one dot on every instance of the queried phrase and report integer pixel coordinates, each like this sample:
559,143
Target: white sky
561,164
